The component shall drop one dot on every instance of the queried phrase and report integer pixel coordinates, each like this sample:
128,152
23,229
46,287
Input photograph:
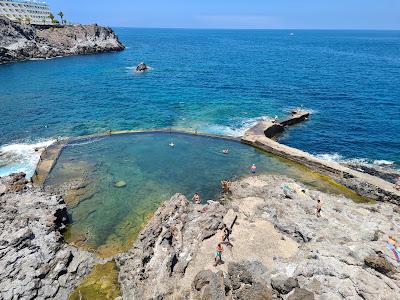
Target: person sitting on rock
196,198
218,254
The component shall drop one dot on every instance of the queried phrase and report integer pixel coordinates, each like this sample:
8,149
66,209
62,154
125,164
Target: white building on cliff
26,11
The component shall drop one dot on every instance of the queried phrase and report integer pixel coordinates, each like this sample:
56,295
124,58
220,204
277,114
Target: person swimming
253,169
171,144
225,151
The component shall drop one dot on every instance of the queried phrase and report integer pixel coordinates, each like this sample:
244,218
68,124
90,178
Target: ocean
215,81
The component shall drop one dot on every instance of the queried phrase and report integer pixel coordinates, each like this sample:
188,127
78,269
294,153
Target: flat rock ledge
22,42
279,248
34,260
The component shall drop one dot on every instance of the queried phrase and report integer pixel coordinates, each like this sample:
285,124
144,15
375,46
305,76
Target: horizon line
230,28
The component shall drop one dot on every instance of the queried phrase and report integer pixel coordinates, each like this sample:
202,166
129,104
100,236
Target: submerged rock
120,184
101,283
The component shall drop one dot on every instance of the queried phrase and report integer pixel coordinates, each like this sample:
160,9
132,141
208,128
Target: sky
236,14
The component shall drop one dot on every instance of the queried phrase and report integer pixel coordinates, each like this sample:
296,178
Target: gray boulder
142,67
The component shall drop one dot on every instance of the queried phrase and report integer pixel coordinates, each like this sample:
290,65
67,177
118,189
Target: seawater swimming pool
106,218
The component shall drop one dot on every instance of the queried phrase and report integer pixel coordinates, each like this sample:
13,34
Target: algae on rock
101,283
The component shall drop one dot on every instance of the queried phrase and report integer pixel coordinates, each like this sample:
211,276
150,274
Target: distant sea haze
217,81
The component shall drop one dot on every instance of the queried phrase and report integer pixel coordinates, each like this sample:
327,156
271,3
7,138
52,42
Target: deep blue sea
217,81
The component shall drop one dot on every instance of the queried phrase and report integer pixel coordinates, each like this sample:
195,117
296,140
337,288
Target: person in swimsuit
253,169
225,234
196,198
218,254
226,185
319,208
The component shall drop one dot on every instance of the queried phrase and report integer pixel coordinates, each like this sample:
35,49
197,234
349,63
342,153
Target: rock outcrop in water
278,248
34,260
142,67
22,42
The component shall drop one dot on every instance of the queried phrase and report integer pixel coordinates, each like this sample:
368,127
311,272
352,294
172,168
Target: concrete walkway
364,184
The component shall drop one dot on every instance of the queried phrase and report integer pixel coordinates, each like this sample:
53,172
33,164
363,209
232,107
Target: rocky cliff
34,260
278,249
22,42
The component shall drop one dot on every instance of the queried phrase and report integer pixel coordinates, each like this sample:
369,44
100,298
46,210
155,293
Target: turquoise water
106,218
217,81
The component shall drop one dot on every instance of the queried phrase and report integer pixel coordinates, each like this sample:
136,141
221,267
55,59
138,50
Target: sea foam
21,157
338,158
234,131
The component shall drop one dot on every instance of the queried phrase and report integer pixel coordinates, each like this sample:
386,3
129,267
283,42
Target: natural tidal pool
106,217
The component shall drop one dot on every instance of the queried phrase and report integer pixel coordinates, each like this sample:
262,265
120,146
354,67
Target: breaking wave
21,157
234,131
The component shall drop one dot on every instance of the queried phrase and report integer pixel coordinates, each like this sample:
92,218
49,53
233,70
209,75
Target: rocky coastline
278,249
23,42
34,260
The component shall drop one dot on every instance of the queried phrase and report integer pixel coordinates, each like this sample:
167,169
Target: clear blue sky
290,14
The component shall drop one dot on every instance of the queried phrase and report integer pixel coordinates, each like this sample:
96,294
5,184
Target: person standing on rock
218,254
196,198
319,208
226,234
